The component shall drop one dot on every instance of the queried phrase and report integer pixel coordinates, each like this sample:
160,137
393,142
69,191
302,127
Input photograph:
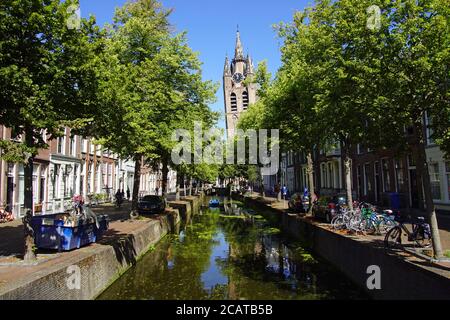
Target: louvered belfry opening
234,107
245,100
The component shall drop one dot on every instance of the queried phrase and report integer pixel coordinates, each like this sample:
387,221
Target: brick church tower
238,96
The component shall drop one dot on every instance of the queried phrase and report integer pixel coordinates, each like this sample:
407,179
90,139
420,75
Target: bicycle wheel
421,240
338,222
355,223
385,224
348,219
393,239
370,225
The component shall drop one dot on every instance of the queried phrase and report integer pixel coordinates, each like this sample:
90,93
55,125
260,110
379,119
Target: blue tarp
63,232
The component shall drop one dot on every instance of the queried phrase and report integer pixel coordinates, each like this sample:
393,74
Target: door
10,191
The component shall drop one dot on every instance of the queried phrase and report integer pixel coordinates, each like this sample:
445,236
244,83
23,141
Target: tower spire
239,51
226,69
250,67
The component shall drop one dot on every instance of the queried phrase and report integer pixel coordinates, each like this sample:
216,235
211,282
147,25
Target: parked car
326,208
151,205
299,203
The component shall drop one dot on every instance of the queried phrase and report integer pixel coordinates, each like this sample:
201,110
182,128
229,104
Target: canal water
235,253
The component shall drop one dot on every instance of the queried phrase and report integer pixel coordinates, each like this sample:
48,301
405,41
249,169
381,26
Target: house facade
72,165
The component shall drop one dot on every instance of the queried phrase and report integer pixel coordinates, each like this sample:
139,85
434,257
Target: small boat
214,203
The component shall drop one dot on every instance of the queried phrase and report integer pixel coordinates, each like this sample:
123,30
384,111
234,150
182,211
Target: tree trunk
261,185
348,176
165,173
136,182
422,171
29,254
311,181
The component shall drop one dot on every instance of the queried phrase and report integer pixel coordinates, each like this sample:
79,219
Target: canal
235,253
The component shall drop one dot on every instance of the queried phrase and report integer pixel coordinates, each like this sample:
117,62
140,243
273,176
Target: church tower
238,96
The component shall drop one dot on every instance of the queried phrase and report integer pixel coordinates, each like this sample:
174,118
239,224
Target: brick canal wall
99,264
400,278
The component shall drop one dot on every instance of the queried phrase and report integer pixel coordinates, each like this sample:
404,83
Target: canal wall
195,202
183,207
83,274
400,278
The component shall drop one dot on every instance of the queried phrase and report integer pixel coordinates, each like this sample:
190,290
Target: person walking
284,192
118,198
128,194
277,191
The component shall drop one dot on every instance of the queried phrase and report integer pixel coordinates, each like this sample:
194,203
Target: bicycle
6,215
368,219
342,219
420,236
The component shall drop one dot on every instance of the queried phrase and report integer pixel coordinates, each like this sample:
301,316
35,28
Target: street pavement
443,219
11,233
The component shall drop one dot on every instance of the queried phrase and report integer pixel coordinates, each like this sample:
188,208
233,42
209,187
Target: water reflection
232,253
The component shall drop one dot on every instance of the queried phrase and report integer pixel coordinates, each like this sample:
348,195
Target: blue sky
211,29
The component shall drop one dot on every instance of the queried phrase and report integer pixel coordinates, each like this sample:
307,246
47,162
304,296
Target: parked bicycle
371,220
6,215
364,218
399,236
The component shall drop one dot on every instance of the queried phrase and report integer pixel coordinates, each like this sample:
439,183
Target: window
367,184
385,175
55,178
305,178
60,143
233,102
245,100
435,181
330,175
447,173
84,145
72,147
359,180
110,175
399,175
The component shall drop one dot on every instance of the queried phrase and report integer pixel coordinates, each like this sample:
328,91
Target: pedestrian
128,194
284,191
157,190
276,188
118,198
277,191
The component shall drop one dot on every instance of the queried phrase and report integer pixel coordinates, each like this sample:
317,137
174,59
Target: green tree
417,59
373,81
152,86
48,80
133,93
